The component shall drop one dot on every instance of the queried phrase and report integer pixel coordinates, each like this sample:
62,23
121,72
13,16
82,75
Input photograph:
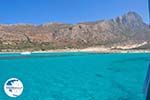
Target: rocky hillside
123,30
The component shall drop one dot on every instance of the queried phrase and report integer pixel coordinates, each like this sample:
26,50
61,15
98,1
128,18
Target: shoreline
86,50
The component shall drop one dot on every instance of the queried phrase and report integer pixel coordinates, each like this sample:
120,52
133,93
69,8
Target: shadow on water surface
128,94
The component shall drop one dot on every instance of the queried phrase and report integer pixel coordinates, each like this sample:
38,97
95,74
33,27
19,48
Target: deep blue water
76,76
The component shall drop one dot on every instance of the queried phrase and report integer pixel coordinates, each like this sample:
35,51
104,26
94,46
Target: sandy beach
90,49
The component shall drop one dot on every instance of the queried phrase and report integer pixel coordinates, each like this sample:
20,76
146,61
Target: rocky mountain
123,30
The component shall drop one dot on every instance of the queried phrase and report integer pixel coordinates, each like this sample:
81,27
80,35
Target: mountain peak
132,13
131,19
133,16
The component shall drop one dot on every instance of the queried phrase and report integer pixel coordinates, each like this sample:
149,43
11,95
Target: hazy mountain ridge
123,30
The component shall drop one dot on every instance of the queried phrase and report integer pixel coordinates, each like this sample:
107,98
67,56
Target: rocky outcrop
121,30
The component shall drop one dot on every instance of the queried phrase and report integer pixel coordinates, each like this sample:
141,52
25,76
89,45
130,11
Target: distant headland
124,33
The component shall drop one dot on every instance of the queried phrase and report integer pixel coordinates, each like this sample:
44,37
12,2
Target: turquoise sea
76,76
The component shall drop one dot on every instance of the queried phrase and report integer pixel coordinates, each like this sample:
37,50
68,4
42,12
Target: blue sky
67,11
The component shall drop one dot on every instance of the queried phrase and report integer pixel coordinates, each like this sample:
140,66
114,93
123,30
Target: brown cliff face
123,29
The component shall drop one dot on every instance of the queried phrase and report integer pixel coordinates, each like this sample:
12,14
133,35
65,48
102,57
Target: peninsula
124,33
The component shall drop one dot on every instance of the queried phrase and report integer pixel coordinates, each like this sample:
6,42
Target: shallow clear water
76,76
